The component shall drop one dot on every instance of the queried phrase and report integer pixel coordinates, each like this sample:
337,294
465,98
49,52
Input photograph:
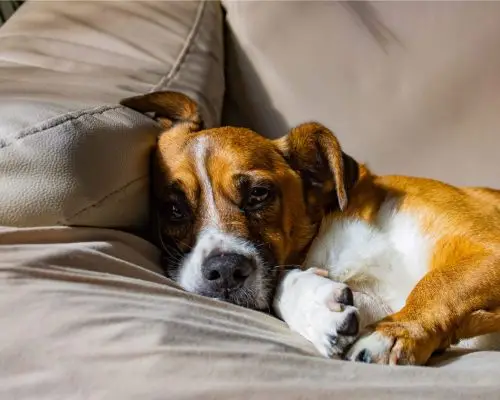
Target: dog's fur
425,255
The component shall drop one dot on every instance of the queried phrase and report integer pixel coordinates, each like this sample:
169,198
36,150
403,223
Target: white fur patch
484,342
200,154
384,260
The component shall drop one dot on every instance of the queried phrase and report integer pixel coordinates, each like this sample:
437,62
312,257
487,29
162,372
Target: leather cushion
68,154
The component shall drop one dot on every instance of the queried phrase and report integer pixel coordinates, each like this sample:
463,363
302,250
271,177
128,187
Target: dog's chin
253,298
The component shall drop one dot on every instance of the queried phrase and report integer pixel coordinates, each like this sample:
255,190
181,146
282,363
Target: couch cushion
68,154
85,314
409,87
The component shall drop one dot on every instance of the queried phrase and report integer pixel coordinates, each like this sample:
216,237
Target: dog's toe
350,325
345,296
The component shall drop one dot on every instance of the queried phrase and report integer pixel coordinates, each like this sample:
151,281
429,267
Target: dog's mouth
256,293
240,297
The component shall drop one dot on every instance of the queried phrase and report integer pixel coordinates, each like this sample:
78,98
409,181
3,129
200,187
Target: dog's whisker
285,267
180,242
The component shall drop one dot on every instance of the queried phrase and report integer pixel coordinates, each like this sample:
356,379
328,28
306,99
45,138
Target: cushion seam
56,121
165,81
103,199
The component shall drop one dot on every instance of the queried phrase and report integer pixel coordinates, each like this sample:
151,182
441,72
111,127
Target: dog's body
396,231
234,208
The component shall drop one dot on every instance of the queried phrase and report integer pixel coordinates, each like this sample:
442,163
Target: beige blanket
86,314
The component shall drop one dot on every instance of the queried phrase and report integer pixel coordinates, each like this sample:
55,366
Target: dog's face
233,207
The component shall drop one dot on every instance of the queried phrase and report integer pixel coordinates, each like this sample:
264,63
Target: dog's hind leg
478,323
479,331
439,311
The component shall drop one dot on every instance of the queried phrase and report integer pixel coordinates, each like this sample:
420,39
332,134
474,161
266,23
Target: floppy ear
168,108
327,172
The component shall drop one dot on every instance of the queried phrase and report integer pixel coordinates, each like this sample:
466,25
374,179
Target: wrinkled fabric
86,314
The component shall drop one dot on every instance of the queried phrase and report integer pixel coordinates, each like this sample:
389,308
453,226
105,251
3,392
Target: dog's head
233,207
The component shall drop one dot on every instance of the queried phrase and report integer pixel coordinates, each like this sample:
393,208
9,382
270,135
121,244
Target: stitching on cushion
59,120
56,121
99,202
165,81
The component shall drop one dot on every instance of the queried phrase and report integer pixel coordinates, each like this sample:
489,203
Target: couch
86,313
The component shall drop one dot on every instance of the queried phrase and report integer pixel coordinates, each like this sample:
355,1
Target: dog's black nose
226,270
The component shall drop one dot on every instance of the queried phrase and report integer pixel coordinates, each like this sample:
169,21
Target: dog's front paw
332,325
319,309
394,343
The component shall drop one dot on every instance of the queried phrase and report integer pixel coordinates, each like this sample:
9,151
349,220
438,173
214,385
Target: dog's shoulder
439,207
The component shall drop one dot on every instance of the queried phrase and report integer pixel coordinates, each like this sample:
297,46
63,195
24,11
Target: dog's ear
327,172
168,108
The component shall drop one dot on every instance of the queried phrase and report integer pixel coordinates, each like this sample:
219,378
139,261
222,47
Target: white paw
371,348
319,309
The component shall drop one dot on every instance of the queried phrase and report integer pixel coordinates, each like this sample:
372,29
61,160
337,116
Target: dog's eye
258,196
175,212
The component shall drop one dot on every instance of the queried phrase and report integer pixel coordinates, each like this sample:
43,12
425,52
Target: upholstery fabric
85,314
7,8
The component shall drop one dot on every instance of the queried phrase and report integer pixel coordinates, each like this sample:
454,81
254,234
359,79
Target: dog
236,214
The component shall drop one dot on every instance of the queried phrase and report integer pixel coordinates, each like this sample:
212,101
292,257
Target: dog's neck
352,171
355,174
366,195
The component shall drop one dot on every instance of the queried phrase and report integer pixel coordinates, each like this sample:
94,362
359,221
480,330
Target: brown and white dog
234,209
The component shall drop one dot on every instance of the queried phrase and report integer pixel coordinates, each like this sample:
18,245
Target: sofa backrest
409,87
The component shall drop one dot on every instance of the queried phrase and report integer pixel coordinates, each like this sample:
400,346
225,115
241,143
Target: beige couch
410,87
